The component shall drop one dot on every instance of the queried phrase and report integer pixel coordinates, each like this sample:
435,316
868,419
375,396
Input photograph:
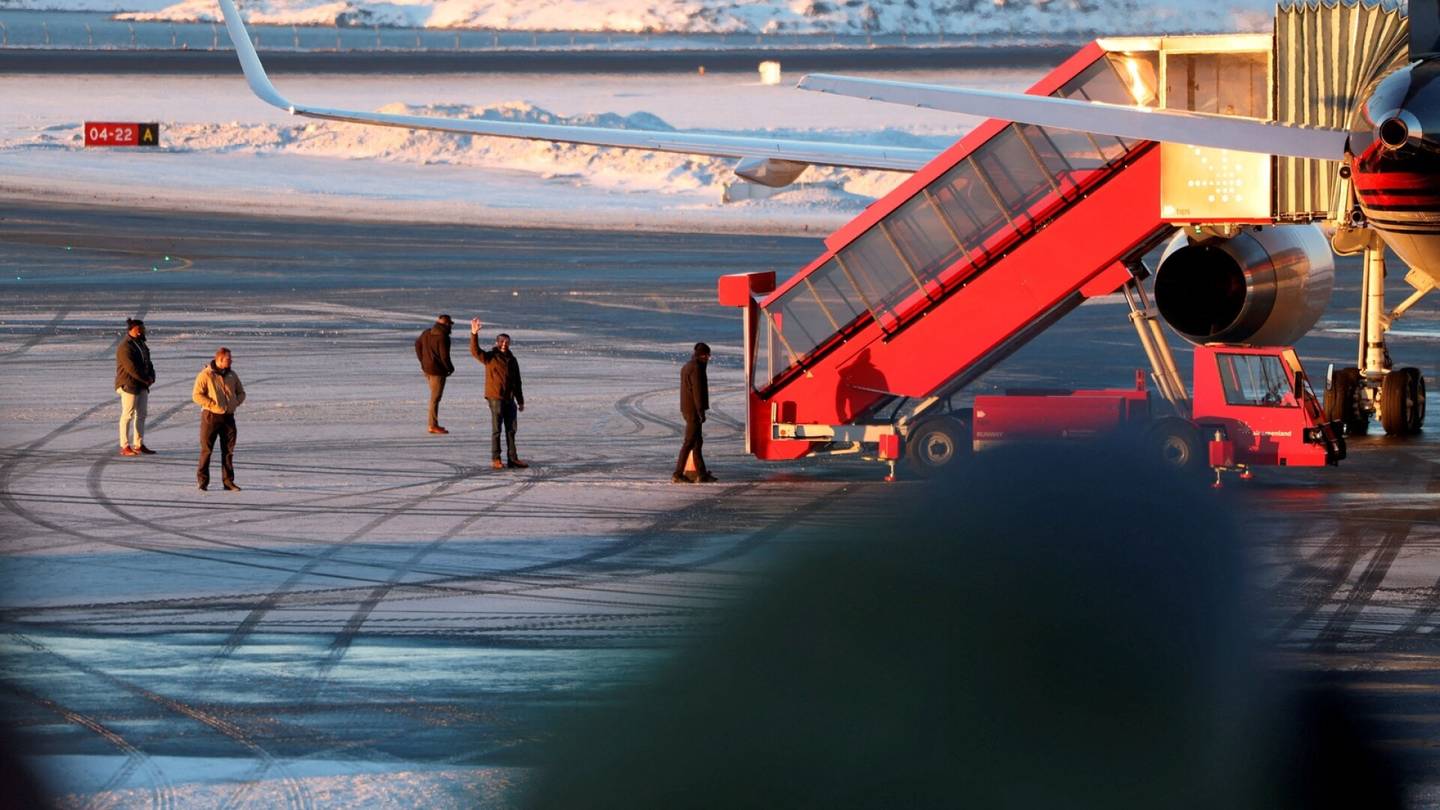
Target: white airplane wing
1139,123
814,152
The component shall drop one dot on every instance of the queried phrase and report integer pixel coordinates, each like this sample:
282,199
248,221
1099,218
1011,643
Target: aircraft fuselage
1395,144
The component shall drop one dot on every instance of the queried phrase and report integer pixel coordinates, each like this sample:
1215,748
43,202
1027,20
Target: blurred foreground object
1041,631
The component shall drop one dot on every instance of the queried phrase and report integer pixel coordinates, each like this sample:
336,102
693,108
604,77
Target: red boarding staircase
992,242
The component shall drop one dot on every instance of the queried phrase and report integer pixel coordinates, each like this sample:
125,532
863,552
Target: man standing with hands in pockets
218,392
502,391
134,374
432,349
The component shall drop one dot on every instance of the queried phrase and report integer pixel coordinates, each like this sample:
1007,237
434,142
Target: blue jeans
502,411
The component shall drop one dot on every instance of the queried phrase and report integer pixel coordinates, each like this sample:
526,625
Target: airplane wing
1139,123
813,152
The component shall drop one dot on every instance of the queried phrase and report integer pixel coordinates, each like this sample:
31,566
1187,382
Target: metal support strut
1157,350
1374,360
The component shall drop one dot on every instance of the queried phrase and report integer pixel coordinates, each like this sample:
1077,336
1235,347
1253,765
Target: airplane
1388,160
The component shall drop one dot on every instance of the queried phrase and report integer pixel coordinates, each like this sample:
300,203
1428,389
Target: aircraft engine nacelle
772,172
1263,287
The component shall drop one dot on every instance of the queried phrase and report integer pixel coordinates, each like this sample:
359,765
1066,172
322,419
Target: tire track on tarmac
9,502
97,493
639,416
522,579
48,330
1317,583
7,470
1423,618
93,482
441,583
296,795
269,602
1333,633
305,507
162,793
747,544
342,642
694,514
626,406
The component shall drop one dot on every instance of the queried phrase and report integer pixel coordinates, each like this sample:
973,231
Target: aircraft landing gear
1395,396
1345,401
1402,401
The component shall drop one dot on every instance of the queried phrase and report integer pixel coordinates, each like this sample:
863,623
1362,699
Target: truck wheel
1176,443
1342,402
1402,402
937,444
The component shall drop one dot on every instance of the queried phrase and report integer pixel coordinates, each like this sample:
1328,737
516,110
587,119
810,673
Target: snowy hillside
982,17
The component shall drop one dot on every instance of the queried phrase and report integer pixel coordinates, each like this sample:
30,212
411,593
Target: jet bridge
973,256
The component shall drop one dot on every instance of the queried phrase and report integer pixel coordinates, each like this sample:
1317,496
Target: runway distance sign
109,133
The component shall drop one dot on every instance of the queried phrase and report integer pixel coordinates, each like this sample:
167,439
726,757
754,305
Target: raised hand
475,326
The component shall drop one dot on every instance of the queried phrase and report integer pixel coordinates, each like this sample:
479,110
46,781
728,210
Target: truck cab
1260,402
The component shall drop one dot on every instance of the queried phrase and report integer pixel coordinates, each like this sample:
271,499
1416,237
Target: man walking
694,402
218,392
502,392
432,348
133,377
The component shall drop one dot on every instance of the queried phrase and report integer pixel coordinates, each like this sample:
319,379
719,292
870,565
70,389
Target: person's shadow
861,383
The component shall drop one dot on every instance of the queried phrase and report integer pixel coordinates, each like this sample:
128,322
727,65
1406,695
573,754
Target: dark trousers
502,411
213,426
693,442
437,390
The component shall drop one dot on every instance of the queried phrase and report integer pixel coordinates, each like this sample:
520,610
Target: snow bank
619,170
332,169
960,17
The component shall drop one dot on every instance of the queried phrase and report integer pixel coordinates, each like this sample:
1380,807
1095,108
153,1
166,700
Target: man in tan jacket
218,392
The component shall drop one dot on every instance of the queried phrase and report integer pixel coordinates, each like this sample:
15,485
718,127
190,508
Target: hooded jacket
217,391
432,349
502,372
133,371
694,391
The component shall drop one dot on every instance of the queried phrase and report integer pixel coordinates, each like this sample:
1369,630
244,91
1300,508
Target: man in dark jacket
432,349
134,375
694,402
502,391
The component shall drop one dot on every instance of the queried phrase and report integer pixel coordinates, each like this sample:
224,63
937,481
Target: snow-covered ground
222,149
972,17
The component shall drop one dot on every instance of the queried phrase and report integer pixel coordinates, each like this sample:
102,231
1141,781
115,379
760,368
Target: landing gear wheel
1402,402
936,445
1176,444
1343,403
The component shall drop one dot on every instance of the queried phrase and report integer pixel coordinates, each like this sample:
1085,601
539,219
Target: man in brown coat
134,374
502,391
218,392
432,349
694,402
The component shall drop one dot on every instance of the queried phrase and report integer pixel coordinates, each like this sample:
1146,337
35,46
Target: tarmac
380,617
